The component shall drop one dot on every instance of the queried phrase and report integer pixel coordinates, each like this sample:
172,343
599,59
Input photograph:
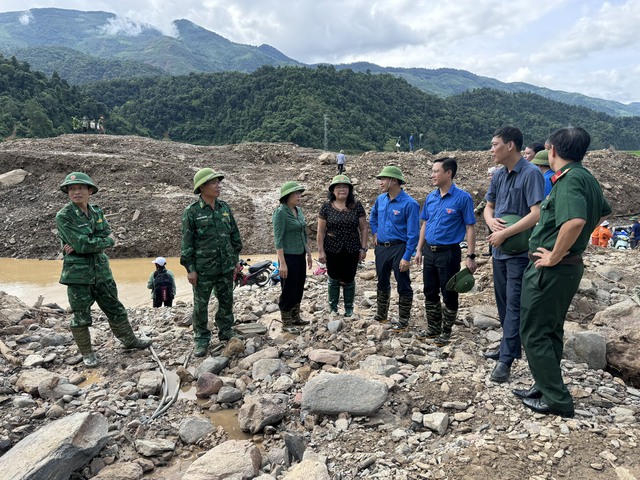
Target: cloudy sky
585,46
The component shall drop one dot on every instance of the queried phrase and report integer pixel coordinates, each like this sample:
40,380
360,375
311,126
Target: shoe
442,339
492,354
501,373
291,329
200,351
397,326
90,360
538,405
533,392
139,343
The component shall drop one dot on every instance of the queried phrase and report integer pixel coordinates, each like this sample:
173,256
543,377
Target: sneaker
424,334
398,326
200,351
90,360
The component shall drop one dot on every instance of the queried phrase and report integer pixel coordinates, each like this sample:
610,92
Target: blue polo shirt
447,216
514,193
547,182
396,220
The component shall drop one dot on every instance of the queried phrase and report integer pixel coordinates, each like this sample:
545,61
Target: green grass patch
634,152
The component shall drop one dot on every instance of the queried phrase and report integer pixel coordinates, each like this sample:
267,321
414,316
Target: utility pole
326,138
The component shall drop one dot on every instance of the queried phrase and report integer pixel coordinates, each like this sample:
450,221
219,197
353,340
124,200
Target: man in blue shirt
448,217
542,161
395,226
635,232
517,189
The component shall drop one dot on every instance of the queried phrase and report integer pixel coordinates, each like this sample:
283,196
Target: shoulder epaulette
558,175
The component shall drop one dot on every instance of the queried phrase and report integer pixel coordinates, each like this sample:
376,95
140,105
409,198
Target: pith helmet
340,179
392,172
461,282
204,175
541,158
78,178
290,187
517,243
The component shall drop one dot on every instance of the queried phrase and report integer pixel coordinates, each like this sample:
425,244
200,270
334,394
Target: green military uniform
210,247
87,274
547,291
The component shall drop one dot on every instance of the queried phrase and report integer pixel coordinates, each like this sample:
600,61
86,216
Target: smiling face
384,183
79,194
341,191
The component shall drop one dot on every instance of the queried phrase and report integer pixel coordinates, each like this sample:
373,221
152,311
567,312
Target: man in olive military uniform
210,252
84,233
568,216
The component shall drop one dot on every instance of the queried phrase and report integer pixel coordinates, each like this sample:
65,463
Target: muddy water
27,279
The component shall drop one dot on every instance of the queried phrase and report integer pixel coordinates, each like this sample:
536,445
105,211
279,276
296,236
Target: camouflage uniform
210,247
87,275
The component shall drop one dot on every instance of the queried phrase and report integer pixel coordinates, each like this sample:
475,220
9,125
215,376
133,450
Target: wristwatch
472,256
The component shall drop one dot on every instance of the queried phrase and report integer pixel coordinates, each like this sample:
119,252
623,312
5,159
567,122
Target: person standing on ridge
84,234
340,160
210,251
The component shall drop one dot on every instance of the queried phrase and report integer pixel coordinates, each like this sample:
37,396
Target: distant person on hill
542,161
398,145
531,150
340,160
85,124
210,251
411,142
101,124
92,124
162,284
84,234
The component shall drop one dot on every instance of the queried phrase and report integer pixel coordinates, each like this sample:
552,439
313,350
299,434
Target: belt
441,248
391,243
573,260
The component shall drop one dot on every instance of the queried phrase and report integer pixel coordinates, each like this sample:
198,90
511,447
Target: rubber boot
382,313
124,333
433,312
287,322
333,293
295,316
349,292
448,319
404,312
82,336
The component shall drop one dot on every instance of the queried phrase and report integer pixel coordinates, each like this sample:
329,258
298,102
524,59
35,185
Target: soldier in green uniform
210,252
84,233
568,215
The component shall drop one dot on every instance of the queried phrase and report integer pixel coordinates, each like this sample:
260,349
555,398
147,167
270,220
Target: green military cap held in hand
78,178
461,282
338,179
204,175
517,243
290,187
392,172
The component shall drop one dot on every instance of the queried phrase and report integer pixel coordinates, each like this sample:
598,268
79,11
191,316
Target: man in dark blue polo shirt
517,189
395,226
448,217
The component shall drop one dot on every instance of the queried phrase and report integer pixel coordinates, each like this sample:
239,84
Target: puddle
91,378
228,419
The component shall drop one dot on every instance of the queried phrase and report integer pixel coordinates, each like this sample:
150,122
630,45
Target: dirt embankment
145,185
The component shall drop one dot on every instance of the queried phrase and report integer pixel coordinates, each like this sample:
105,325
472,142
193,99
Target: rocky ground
420,411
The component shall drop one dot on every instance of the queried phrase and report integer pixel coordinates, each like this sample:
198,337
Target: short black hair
448,164
510,134
536,146
571,143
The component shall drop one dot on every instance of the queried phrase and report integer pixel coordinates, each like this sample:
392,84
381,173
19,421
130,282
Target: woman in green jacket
294,255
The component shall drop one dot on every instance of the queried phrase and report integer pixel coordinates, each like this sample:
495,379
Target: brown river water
28,279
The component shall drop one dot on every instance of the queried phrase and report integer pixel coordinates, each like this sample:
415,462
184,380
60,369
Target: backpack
162,284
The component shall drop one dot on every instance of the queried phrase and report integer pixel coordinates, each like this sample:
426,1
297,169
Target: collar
560,173
398,197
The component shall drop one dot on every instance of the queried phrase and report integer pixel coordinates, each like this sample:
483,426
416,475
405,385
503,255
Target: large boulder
587,347
57,449
332,394
620,325
234,459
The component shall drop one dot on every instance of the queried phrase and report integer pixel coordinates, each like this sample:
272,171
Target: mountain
66,41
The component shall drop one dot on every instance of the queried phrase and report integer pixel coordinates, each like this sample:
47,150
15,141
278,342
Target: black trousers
342,266
387,261
438,268
293,285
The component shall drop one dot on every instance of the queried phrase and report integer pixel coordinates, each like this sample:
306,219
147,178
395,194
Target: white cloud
25,18
123,26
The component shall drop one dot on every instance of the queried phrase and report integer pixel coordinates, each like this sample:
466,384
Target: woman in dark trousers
294,256
342,242
162,284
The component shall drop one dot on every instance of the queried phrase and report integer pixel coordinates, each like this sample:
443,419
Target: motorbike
257,274
622,242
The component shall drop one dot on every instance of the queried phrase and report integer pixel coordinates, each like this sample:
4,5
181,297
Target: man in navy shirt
395,226
448,217
517,189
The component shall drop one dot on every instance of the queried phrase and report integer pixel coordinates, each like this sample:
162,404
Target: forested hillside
290,104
